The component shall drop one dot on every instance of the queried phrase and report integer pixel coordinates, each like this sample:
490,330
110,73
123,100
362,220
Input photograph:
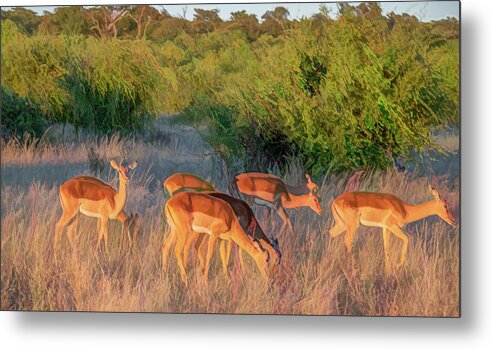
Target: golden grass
315,275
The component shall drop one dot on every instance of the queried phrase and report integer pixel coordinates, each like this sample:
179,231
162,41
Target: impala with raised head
269,190
94,198
385,211
198,213
186,182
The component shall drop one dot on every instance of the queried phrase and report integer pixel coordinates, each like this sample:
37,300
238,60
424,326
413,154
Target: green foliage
311,73
368,89
246,23
341,94
104,85
21,116
71,20
24,18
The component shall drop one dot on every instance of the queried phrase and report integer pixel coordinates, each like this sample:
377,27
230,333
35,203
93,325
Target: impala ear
434,192
132,165
114,165
308,178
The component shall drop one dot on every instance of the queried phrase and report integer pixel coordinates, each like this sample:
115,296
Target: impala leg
285,218
100,234
399,233
386,236
71,230
178,251
125,230
62,222
166,246
210,251
223,256
230,243
104,230
186,250
336,230
201,251
349,239
241,259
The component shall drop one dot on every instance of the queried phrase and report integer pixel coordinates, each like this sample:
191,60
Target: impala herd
197,215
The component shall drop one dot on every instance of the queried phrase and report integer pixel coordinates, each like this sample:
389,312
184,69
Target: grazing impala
271,191
190,212
94,198
186,182
385,211
250,225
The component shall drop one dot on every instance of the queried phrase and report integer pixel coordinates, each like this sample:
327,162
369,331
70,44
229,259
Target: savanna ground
315,275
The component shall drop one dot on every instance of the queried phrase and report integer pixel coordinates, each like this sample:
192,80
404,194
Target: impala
250,225
269,190
190,212
385,211
94,198
186,182
179,182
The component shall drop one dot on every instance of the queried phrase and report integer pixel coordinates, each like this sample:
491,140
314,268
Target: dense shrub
345,93
101,84
20,115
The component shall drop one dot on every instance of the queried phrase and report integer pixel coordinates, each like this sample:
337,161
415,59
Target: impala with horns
385,211
198,213
94,198
269,190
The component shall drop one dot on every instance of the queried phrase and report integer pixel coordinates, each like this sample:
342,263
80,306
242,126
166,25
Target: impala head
314,203
123,170
313,187
263,261
442,208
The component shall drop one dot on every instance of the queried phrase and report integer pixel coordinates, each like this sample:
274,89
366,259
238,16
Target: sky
425,11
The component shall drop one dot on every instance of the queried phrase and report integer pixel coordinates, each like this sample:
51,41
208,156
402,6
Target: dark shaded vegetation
355,91
20,116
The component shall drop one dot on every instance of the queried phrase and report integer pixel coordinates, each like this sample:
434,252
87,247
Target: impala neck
417,212
295,200
245,244
120,198
298,189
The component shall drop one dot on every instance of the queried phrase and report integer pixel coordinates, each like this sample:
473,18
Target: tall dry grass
314,277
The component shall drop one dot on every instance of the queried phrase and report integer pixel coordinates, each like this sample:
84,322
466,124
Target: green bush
341,94
21,116
104,85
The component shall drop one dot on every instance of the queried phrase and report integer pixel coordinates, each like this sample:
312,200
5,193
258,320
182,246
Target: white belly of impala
200,229
90,214
372,224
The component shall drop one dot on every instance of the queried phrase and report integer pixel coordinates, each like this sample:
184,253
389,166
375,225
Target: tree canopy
345,92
